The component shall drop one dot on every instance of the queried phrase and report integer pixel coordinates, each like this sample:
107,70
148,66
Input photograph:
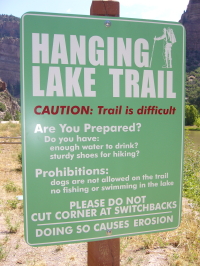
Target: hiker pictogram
169,39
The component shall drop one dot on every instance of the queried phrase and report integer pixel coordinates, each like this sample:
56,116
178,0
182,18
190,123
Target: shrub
7,117
2,107
10,187
12,203
20,158
2,252
12,228
17,116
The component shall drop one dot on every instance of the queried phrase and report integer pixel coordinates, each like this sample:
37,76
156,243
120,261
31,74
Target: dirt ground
19,253
14,250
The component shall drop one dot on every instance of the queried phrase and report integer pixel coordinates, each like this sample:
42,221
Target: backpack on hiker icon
171,36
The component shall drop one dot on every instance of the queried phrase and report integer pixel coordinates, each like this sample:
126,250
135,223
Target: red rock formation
9,59
9,49
191,21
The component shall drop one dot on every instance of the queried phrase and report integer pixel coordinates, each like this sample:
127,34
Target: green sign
103,112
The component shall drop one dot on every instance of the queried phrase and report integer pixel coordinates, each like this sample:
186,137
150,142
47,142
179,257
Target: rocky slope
9,107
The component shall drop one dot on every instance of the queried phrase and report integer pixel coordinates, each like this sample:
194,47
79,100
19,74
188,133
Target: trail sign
103,112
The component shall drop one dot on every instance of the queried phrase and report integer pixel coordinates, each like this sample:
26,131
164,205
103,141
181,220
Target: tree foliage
197,122
191,115
193,78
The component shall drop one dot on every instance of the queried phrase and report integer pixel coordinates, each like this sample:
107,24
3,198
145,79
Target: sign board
103,112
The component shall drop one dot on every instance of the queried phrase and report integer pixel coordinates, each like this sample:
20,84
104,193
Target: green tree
191,114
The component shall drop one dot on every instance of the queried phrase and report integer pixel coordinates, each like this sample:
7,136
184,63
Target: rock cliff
9,50
9,59
191,21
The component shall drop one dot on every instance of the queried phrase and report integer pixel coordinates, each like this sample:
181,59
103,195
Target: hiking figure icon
169,39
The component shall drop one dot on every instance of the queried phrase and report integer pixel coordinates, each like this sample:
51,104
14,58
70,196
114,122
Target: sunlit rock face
9,49
191,21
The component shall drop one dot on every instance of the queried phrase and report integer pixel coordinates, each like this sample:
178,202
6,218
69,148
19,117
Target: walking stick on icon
152,52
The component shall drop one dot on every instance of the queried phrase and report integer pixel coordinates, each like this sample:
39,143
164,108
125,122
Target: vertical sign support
105,252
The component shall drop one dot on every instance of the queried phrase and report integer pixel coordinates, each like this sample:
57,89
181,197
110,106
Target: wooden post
105,8
105,252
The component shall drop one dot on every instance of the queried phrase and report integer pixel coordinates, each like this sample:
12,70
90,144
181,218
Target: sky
169,10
